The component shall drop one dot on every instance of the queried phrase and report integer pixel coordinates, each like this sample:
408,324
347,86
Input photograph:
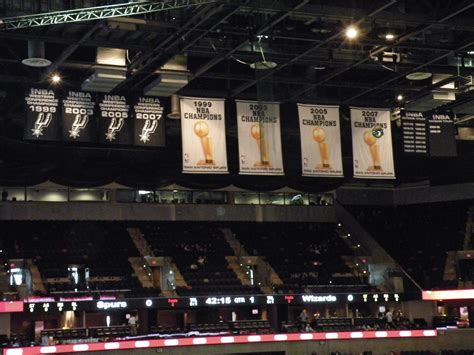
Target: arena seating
305,256
199,252
101,247
418,236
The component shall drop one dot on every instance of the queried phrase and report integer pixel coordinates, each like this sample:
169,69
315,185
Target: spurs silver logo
43,121
115,126
80,122
148,129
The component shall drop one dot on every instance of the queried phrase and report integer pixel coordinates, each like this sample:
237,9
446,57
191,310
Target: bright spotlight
389,36
400,97
352,32
55,78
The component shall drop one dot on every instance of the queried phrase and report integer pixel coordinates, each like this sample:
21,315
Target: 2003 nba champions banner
320,140
203,135
258,126
372,143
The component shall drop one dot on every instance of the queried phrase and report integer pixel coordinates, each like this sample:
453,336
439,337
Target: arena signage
318,299
111,305
34,305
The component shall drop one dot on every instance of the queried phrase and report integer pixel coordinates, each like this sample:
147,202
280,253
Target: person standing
133,324
389,317
303,317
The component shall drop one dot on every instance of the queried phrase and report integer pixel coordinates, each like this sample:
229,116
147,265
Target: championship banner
149,123
203,135
42,117
115,122
320,140
79,122
372,143
258,126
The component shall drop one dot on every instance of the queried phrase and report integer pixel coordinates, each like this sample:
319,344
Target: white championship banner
203,135
320,140
372,143
258,126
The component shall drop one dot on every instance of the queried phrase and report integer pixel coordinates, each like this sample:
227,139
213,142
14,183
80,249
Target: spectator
133,323
389,317
303,318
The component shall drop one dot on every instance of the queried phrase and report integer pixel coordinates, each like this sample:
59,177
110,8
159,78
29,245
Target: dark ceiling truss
276,19
313,48
96,13
144,66
463,7
384,83
68,52
153,43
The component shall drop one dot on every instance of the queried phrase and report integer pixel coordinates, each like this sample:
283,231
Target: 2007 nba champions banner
372,143
259,133
203,135
320,140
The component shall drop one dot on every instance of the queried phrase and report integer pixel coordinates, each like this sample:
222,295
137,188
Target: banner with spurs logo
79,120
115,122
149,122
203,135
42,115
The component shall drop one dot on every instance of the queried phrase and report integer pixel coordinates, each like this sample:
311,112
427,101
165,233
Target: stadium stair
381,263
234,243
140,242
450,272
234,262
178,277
36,279
469,229
140,272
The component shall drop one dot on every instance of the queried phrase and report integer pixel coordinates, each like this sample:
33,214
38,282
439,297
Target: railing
65,194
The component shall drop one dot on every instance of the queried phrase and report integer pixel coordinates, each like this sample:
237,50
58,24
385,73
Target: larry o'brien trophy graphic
201,129
258,135
319,136
370,138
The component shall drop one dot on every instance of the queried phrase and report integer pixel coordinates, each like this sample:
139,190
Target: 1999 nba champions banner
203,135
372,143
320,140
258,126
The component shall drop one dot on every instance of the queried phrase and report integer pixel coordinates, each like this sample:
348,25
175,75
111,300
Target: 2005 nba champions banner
372,143
259,133
203,135
320,140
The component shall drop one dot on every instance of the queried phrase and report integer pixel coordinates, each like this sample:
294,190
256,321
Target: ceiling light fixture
419,75
262,64
400,97
352,32
55,78
389,36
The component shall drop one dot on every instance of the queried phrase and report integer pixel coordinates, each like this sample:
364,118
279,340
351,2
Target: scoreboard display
49,304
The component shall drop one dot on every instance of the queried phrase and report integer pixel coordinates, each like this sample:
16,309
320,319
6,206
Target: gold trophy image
371,141
257,134
201,129
319,136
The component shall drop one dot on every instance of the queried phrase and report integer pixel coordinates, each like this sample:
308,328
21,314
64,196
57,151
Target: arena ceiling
306,39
